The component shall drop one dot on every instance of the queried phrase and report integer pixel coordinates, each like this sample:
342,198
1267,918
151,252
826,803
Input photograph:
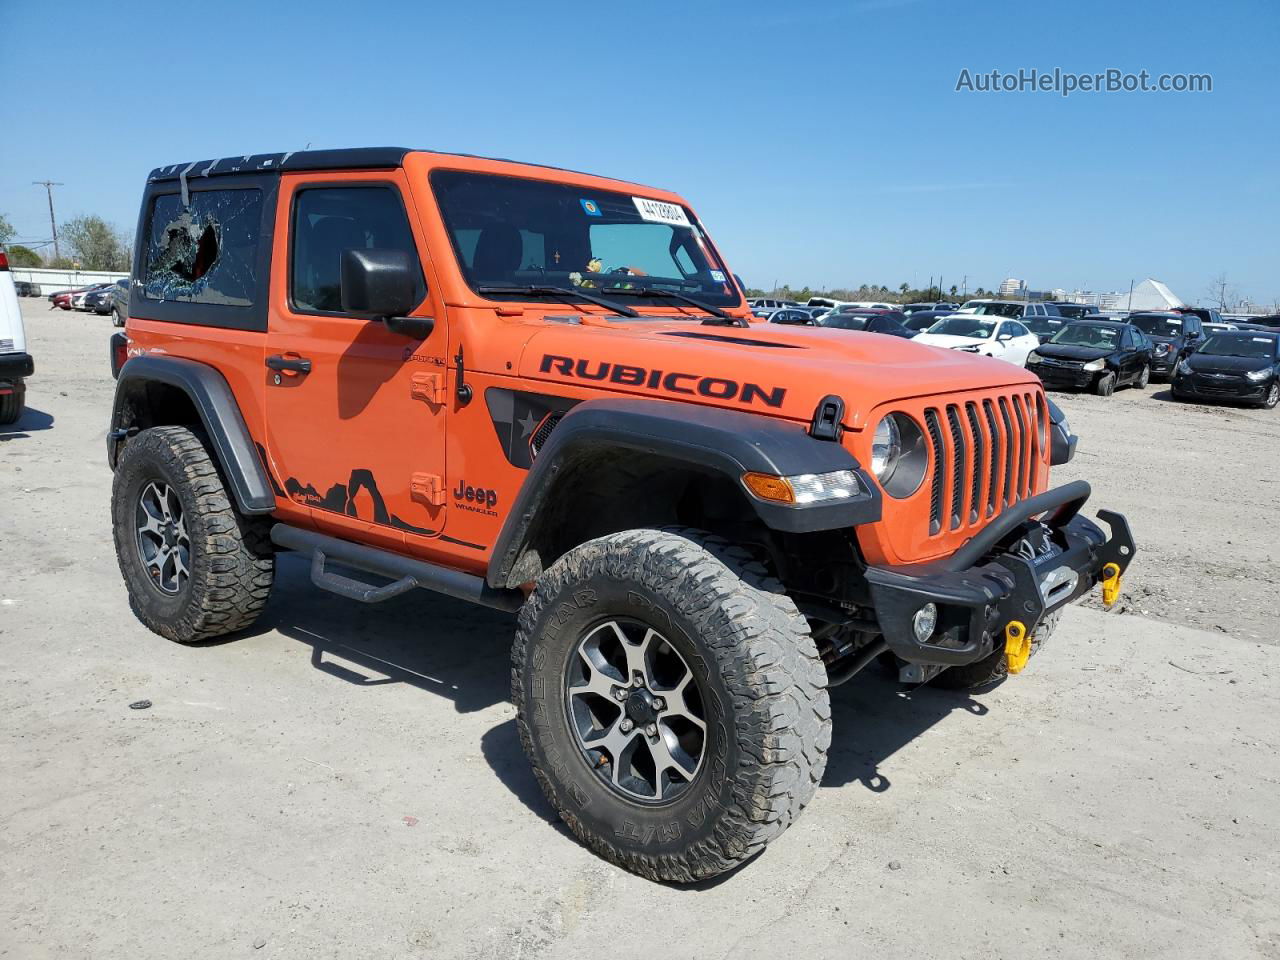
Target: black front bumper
997,578
1200,386
14,366
1066,376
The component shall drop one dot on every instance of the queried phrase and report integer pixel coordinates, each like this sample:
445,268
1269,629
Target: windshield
509,231
1044,325
968,325
998,309
1087,335
1155,325
1074,310
1239,345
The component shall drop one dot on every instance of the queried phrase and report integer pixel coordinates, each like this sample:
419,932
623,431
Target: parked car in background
1206,314
1173,336
79,301
922,320
99,301
869,321
989,336
25,288
1224,327
769,303
940,306
1242,366
1044,327
792,315
1073,311
1097,355
1271,322
120,301
15,363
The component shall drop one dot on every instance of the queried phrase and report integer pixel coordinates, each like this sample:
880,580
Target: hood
1063,351
1202,363
777,370
950,340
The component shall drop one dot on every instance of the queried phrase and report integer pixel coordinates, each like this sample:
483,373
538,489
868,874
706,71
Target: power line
53,224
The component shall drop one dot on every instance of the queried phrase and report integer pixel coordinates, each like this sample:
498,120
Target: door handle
293,364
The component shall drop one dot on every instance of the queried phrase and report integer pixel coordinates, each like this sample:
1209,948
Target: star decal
527,424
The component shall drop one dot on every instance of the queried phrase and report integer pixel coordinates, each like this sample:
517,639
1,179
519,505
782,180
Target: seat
498,253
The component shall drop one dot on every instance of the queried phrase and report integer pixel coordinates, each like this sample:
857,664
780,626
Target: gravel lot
347,781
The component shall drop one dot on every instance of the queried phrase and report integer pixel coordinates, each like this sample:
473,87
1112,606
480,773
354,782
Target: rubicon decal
692,384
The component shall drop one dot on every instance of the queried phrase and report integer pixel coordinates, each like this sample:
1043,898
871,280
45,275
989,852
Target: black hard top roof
349,158
1094,321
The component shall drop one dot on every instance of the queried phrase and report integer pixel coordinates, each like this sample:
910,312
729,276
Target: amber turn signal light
768,487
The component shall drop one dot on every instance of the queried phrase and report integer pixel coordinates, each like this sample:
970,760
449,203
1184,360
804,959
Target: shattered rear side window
207,251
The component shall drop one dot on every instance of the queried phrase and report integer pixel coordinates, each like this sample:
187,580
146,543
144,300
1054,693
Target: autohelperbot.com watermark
1066,82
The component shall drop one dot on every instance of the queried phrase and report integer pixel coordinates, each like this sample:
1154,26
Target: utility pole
964,284
53,224
1131,296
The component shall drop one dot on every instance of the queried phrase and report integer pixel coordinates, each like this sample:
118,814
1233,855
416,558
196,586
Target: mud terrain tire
994,668
229,559
760,684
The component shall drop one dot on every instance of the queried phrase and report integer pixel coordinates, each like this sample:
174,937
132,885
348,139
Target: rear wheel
194,567
117,318
12,404
995,667
671,701
1144,377
1106,384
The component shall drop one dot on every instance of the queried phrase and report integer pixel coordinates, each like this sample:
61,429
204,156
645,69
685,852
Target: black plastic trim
219,416
351,158
406,572
727,442
16,365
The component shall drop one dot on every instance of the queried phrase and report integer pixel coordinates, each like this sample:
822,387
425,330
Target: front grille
985,459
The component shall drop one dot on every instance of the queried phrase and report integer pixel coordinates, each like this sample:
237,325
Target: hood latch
828,417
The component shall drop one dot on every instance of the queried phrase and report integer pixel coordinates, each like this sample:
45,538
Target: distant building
1010,287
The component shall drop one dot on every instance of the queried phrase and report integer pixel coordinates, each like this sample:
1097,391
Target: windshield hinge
827,416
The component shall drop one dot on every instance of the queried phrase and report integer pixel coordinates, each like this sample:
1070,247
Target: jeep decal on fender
715,388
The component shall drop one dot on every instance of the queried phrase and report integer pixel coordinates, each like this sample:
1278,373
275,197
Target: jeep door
355,412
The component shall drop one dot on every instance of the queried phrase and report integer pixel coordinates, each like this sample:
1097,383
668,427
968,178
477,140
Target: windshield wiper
705,307
563,293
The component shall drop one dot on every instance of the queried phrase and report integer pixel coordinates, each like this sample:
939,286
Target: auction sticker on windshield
659,212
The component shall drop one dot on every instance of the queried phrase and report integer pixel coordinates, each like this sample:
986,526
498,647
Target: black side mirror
383,285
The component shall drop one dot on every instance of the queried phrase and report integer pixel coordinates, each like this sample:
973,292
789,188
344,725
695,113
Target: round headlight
899,459
886,448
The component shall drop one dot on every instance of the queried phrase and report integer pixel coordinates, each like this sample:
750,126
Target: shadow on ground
443,646
32,420
874,716
456,650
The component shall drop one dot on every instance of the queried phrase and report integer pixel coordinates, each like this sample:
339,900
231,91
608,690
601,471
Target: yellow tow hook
1110,584
1017,646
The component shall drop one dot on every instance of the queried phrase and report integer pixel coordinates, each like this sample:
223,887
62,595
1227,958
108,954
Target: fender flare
220,416
714,440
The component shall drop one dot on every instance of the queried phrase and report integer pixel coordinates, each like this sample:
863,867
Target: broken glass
207,250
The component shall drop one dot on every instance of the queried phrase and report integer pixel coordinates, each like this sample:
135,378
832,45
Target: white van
15,363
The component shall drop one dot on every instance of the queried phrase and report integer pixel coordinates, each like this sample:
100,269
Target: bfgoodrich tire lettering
763,690
231,563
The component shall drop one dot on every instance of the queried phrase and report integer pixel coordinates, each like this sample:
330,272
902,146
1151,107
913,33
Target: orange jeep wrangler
542,391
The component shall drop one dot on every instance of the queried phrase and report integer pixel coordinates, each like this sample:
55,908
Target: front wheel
194,567
1106,384
671,701
1273,396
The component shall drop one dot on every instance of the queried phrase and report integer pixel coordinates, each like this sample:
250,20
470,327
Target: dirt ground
346,781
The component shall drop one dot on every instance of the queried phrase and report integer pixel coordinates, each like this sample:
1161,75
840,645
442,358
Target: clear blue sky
821,142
